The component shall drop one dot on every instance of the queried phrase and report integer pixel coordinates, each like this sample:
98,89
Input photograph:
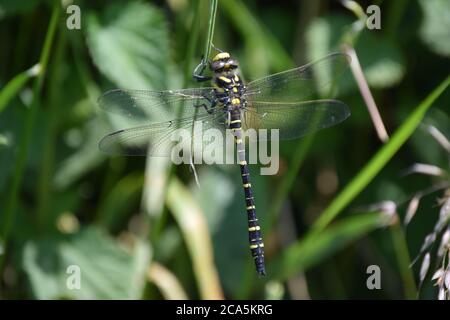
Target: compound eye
217,66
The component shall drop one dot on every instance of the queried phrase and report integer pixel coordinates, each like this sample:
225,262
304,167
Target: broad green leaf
106,271
435,28
128,42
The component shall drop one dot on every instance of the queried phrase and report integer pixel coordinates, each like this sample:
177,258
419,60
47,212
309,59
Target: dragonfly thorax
229,90
226,81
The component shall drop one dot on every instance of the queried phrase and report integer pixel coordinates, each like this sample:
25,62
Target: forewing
311,81
156,106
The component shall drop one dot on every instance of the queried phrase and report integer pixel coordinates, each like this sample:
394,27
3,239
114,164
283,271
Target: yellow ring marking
253,246
250,207
247,185
243,163
222,55
225,79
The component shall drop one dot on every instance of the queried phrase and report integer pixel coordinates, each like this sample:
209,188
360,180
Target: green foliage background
140,228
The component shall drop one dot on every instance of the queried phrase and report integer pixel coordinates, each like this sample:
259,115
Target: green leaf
129,44
435,28
12,88
106,271
316,247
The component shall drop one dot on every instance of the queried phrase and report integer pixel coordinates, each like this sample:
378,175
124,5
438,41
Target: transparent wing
295,119
311,81
159,139
156,106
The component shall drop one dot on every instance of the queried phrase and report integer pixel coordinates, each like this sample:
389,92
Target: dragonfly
292,101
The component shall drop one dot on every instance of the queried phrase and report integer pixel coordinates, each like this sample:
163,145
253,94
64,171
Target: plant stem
364,89
44,187
211,24
403,260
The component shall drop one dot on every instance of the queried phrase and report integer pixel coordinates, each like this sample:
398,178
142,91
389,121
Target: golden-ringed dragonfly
287,101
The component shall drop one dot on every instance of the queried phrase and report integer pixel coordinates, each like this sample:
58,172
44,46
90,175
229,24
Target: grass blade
403,260
380,159
15,84
166,282
314,247
11,206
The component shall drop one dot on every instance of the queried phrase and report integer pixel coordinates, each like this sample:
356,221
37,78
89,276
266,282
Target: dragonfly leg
198,71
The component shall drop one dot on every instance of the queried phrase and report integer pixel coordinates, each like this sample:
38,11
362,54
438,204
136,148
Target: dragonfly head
223,62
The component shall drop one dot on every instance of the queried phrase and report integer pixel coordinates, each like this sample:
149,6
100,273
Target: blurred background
77,224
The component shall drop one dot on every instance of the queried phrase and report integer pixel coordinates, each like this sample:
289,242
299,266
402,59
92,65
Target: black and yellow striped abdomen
229,91
254,229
